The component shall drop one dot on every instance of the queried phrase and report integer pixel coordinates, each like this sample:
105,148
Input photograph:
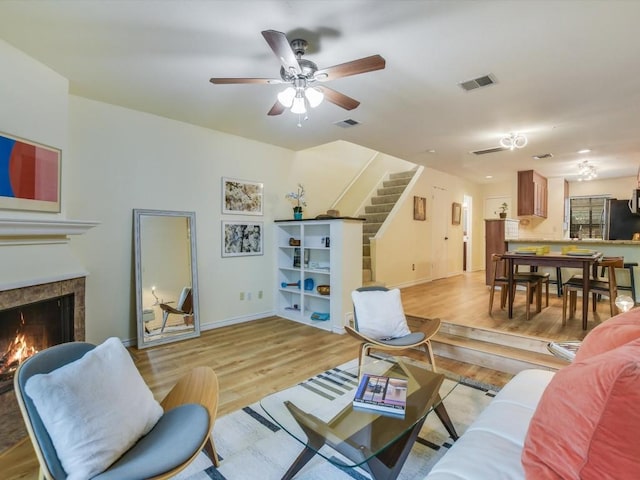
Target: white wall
33,106
124,159
408,242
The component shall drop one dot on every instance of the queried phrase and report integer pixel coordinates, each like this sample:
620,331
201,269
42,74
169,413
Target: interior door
441,214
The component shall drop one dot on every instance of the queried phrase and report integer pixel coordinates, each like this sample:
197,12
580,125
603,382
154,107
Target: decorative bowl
324,289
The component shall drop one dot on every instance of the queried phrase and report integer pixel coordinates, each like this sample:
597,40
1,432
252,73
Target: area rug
252,446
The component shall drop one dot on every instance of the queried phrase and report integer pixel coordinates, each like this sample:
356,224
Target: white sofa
492,445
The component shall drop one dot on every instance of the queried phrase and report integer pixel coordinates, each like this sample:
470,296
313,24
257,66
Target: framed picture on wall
419,208
456,212
241,197
29,175
242,238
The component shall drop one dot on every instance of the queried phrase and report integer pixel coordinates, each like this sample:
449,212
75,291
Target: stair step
366,263
382,199
366,276
397,182
371,228
385,190
366,250
366,239
384,208
408,174
496,350
375,217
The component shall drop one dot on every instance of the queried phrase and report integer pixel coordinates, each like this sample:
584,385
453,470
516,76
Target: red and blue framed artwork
29,175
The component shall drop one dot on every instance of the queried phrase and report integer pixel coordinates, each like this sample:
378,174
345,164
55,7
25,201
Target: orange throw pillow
587,424
614,332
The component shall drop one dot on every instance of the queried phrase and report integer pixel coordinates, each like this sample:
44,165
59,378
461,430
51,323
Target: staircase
377,212
505,352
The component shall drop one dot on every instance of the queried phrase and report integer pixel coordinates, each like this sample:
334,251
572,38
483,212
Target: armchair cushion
379,313
610,334
94,409
587,424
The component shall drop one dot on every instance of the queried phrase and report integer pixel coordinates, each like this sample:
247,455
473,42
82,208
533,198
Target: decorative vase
297,213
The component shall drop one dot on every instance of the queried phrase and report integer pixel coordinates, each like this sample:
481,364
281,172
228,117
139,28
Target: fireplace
34,317
30,328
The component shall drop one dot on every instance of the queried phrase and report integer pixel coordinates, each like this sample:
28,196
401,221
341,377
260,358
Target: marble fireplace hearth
11,423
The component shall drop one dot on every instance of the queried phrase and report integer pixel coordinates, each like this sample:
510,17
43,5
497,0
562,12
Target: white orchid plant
297,197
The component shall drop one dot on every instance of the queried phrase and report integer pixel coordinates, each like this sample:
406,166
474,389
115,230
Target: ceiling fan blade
338,98
363,65
229,81
281,47
277,109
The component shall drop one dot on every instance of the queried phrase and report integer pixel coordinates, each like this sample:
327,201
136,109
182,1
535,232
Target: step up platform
505,352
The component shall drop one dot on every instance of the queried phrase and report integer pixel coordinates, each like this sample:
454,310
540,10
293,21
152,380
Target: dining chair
598,286
532,284
544,278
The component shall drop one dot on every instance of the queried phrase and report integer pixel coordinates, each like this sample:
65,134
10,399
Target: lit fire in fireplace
17,352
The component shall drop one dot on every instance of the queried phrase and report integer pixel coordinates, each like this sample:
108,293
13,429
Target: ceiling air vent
489,150
483,81
543,155
349,122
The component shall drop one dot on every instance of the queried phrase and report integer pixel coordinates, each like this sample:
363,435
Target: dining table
585,260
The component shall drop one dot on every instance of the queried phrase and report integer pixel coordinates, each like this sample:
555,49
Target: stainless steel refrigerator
618,221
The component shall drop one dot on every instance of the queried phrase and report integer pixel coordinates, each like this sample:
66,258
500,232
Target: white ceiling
567,72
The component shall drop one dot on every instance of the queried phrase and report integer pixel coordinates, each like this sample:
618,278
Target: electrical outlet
259,293
241,295
248,295
413,266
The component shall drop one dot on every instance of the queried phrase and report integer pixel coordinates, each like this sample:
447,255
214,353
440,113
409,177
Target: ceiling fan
303,76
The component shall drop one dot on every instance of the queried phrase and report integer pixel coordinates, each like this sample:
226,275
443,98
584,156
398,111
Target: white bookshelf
301,268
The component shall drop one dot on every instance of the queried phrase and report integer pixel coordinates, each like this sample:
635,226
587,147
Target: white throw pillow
380,314
94,409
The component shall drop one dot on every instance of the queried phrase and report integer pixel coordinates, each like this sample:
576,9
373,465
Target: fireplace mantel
23,231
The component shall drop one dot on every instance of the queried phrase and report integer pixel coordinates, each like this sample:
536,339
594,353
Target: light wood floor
267,355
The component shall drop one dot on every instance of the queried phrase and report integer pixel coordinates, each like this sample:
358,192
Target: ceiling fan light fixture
298,105
513,140
314,96
286,96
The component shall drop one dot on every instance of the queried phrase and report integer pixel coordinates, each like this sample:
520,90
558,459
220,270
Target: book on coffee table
382,394
564,350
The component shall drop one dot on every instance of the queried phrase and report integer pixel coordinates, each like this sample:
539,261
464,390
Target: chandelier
513,140
299,95
587,171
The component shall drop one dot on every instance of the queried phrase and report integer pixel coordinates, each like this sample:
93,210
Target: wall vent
483,81
489,150
543,155
349,122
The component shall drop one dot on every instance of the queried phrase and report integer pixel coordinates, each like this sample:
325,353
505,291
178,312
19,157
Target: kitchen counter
571,241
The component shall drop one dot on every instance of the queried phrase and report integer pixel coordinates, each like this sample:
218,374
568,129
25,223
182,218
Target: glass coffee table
377,442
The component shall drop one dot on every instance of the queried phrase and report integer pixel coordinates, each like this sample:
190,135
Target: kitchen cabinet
497,233
532,194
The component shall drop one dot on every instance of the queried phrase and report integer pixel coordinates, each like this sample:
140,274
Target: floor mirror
165,276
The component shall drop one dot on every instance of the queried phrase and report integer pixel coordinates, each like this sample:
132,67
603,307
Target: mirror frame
191,216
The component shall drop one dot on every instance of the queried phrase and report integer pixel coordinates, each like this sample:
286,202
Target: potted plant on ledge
503,210
297,198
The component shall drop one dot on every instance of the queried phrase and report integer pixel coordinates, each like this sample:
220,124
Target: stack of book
382,394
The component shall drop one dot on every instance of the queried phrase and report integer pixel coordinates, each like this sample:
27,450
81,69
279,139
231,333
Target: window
586,217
